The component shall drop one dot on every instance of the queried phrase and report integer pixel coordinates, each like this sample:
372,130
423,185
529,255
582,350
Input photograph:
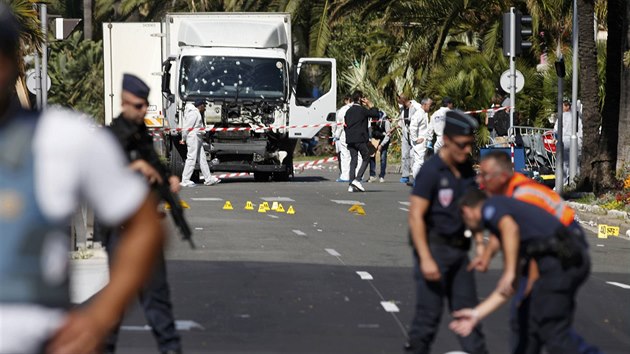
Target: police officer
525,232
437,233
133,135
496,177
48,162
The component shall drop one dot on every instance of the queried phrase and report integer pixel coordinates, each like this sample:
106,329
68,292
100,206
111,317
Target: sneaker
212,181
381,180
356,184
187,184
350,189
372,179
404,180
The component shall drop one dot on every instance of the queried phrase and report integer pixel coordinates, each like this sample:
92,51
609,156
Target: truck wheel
176,162
262,176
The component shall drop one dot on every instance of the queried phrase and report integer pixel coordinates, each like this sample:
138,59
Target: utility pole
43,13
573,152
561,73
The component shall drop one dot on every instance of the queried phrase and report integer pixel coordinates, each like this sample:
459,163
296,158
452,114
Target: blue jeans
383,164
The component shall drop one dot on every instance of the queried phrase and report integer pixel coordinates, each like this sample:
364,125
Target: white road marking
365,275
600,245
405,203
621,285
198,228
347,202
404,209
299,233
206,199
368,325
272,216
332,252
277,199
390,306
181,325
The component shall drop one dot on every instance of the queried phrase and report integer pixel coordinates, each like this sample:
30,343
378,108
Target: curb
590,216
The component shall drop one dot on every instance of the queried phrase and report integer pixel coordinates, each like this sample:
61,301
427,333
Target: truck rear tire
176,162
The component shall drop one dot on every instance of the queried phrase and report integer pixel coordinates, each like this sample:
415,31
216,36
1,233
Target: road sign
506,83
31,82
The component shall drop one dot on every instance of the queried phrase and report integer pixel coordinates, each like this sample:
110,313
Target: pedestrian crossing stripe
249,205
279,208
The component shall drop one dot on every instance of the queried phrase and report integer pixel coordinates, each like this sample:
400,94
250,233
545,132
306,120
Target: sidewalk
590,216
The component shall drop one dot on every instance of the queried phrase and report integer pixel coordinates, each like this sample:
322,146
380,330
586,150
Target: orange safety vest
529,191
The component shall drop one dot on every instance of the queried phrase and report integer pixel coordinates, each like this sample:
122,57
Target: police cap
9,32
135,86
199,102
459,123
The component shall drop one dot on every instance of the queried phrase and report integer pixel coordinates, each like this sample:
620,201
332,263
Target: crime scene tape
488,110
238,129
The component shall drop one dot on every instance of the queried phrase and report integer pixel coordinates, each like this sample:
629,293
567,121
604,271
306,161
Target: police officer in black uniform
133,135
437,233
527,231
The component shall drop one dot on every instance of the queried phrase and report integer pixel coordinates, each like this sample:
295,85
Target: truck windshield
232,78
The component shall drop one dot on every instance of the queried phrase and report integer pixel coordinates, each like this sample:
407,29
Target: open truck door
314,100
134,48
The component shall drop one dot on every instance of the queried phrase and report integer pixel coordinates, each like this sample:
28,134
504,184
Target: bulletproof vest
33,250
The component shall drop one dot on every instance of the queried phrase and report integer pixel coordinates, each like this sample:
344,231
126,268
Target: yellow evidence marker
261,208
228,206
266,206
291,211
249,205
184,205
280,209
359,210
274,206
602,231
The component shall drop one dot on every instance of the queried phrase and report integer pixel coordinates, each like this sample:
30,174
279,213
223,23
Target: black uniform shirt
533,222
437,183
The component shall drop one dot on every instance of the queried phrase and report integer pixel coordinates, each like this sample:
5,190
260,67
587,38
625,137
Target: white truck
243,65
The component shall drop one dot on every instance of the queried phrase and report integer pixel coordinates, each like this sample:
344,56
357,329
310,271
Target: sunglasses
464,144
136,105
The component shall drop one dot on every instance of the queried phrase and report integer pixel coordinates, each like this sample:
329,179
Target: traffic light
522,31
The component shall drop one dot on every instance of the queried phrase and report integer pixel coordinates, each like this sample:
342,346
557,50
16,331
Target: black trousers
355,149
552,306
457,285
155,299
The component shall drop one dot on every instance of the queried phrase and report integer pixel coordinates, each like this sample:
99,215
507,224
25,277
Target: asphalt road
277,283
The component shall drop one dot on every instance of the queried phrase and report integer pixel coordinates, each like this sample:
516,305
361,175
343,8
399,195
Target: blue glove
430,145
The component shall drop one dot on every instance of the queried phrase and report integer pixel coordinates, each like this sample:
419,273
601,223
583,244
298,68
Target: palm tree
623,158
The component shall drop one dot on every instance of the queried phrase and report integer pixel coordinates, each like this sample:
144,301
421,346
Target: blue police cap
9,32
200,101
135,86
459,123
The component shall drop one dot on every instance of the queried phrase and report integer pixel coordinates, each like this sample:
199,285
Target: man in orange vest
497,177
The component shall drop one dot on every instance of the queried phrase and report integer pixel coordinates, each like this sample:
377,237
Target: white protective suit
406,145
418,130
194,142
342,147
436,128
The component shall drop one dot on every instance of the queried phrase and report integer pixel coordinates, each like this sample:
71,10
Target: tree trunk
591,117
87,19
623,150
605,166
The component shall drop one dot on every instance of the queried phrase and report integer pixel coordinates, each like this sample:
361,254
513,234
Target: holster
564,245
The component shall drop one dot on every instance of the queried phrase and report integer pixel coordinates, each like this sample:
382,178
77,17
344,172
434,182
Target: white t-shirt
75,162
